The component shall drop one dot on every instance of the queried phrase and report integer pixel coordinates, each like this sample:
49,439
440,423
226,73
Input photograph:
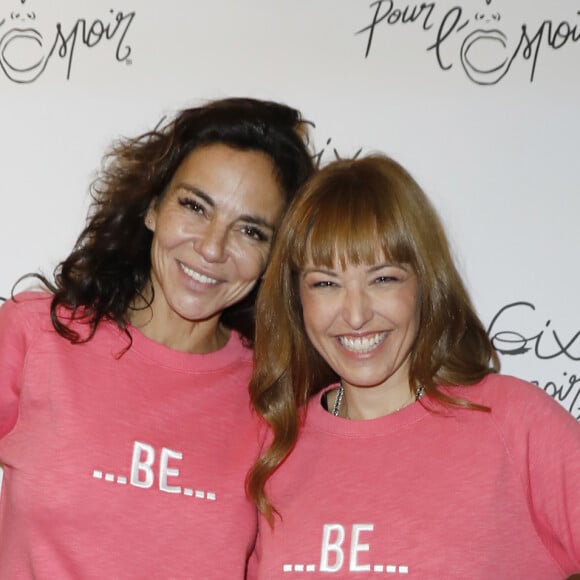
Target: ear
151,216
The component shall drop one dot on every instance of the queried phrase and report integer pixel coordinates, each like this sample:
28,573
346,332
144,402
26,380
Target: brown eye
385,279
255,233
192,204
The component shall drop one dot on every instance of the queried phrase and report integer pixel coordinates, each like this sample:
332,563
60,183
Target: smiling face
24,46
363,320
212,232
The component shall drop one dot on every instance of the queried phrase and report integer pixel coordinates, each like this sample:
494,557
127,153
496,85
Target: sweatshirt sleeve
13,347
545,442
555,484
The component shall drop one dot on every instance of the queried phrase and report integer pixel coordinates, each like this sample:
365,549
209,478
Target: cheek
312,332
306,314
166,231
251,263
413,316
408,305
313,314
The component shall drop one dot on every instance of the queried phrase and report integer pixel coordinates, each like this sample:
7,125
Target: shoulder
506,392
521,408
24,322
30,299
26,307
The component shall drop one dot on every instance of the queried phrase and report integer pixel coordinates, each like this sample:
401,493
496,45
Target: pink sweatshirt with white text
430,493
118,465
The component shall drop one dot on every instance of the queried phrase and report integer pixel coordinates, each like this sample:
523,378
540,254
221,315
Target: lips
197,276
362,344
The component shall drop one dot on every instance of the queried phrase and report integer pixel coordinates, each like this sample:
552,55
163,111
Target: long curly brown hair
110,264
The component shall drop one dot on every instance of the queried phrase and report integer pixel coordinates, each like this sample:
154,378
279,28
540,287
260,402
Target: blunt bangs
354,217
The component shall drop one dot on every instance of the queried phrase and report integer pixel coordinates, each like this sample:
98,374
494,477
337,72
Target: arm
553,464
13,344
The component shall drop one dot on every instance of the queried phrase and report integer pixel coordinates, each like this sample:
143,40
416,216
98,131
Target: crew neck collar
318,418
231,353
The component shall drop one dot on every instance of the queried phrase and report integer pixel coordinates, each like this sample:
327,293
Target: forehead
221,171
217,158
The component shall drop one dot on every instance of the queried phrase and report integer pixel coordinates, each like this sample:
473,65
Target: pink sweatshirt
446,495
121,466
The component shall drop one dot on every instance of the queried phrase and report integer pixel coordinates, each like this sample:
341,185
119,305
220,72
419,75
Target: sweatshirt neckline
318,418
164,356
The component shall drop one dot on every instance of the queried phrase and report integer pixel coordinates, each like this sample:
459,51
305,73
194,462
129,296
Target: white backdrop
479,99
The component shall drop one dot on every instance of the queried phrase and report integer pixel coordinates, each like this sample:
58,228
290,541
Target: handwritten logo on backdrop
484,42
329,152
515,330
29,41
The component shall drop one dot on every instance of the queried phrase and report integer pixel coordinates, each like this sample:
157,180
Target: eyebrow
319,271
250,219
334,273
385,265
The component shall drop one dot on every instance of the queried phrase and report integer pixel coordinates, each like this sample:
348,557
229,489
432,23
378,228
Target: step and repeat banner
480,100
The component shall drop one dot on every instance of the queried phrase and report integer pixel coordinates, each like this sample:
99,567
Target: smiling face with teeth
212,232
363,320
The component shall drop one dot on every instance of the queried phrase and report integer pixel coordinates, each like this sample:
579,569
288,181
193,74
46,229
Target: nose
212,243
356,307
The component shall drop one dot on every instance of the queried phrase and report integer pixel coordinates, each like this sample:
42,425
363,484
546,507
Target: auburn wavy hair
110,264
345,213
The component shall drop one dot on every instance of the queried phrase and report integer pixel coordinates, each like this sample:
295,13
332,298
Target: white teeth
362,344
197,276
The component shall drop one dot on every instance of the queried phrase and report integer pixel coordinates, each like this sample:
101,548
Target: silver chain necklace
419,392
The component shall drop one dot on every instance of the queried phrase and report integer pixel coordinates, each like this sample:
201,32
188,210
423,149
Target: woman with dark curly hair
396,448
125,426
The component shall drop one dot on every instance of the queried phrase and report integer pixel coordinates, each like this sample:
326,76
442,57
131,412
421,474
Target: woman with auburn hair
125,424
396,448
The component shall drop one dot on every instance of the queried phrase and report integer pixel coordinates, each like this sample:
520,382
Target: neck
166,327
